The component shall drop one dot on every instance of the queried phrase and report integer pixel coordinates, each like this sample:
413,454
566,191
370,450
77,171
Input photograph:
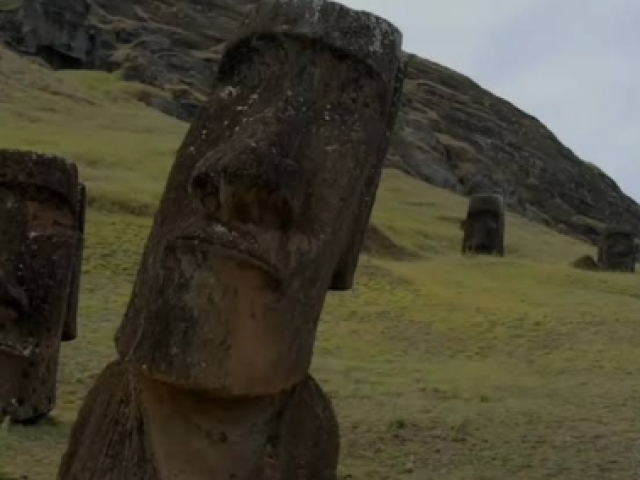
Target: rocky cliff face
451,132
56,30
171,45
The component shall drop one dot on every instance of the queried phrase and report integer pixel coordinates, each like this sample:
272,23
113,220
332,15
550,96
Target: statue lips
241,247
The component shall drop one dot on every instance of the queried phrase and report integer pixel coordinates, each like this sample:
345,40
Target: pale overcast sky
573,64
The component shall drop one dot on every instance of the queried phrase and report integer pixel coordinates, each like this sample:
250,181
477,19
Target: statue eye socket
250,58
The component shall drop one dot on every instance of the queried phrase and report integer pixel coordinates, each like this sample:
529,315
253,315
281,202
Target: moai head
617,249
267,203
484,226
41,210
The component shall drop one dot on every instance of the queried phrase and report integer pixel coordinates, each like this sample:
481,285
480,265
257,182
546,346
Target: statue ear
342,279
344,273
70,325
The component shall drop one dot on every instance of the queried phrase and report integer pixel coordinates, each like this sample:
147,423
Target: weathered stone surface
56,30
379,244
264,211
293,435
291,217
617,250
474,142
70,326
109,440
450,132
484,226
40,253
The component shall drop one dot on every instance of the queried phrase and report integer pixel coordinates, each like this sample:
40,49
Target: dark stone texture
264,211
58,31
42,217
484,226
174,46
128,426
109,440
585,262
297,213
617,250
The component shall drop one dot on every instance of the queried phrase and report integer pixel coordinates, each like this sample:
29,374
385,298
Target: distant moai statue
484,226
41,239
617,249
264,211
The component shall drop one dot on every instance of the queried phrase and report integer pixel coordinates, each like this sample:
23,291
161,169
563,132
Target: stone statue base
132,428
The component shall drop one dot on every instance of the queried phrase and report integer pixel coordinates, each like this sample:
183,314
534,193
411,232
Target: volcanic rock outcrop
451,132
617,250
58,31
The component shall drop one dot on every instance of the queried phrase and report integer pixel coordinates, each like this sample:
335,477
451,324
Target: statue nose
250,188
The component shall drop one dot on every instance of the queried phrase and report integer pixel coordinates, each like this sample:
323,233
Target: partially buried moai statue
484,226
41,239
617,250
264,211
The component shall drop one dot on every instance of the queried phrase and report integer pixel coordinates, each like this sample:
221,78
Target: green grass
440,367
10,5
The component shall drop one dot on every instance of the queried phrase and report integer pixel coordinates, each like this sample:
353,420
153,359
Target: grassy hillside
440,367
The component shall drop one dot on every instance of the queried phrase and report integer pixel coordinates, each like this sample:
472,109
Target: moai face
484,225
266,206
39,245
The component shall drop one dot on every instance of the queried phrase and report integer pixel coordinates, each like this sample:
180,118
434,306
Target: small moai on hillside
484,226
617,250
264,211
41,238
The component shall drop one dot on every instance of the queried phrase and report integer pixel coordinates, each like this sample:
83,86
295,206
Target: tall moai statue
484,226
41,239
617,250
264,211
